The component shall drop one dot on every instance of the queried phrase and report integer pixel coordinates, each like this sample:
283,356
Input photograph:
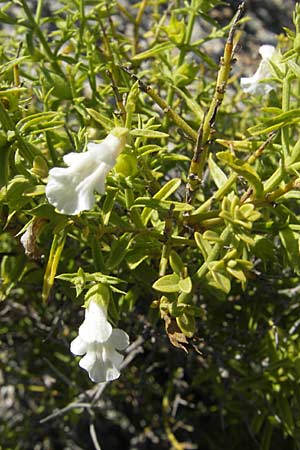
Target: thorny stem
164,106
118,97
273,196
201,151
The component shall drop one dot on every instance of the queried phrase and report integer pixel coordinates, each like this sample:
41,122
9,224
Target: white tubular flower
100,344
253,85
71,189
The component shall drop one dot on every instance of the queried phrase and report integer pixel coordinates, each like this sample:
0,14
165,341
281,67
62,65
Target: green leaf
168,283
187,324
135,257
286,414
44,120
289,240
294,68
34,191
276,122
243,169
100,294
152,203
176,262
107,123
219,281
203,244
237,273
166,191
266,436
146,133
185,285
4,164
153,51
52,264
216,172
15,190
11,269
108,204
78,279
191,104
118,251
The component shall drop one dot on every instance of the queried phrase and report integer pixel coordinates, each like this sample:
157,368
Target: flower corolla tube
71,189
253,85
100,344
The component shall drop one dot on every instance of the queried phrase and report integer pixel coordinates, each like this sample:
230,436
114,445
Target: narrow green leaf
107,123
118,251
276,122
108,204
289,240
146,133
266,437
52,264
219,280
294,67
203,244
152,203
286,413
176,262
242,168
4,164
216,172
166,191
153,51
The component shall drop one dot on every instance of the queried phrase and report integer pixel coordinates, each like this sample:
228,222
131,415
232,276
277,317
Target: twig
209,120
163,105
93,434
58,372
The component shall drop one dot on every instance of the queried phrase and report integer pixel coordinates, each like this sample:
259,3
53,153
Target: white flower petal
100,368
253,85
95,327
108,150
76,159
103,371
78,346
71,189
266,51
119,339
110,354
101,344
89,360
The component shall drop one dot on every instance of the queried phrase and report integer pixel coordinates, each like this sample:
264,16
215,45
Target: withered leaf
175,335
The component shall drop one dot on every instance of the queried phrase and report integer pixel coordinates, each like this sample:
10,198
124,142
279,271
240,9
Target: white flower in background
253,85
71,189
100,344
